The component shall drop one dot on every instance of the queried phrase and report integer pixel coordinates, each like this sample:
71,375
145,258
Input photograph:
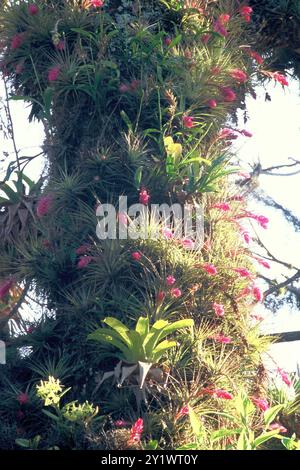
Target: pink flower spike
278,427
121,423
144,197
210,269
23,398
182,412
160,297
257,293
176,293
246,12
33,9
227,134
243,272
212,104
136,256
246,133
219,28
219,393
82,249
136,431
257,57
224,18
96,3
228,94
222,206
187,243
188,121
238,75
167,41
167,233
219,309
260,403
284,376
219,338
263,263
17,41
44,205
170,280
54,73
84,261
5,287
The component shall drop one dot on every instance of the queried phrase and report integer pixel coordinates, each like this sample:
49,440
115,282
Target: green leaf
10,193
119,327
196,424
142,327
161,349
264,438
23,442
216,435
177,325
138,177
126,119
271,413
110,339
243,442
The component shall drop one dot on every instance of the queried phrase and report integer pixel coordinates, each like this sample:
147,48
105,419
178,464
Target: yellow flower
172,148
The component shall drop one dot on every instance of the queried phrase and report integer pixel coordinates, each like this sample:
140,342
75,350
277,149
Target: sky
275,126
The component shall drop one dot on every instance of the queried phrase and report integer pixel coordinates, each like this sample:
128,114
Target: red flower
212,104
170,280
218,393
84,261
222,206
263,263
144,197
44,205
160,297
136,256
243,272
188,121
219,309
210,269
136,432
224,18
23,398
238,75
82,249
182,412
176,293
284,376
258,295
246,12
219,28
256,56
280,78
54,73
227,134
61,45
261,403
167,233
96,3
187,243
167,41
121,423
228,94
17,41
5,288
33,9
246,133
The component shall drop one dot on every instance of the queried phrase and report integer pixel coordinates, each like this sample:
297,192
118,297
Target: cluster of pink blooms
222,206
261,403
253,290
262,262
182,412
33,9
136,432
212,103
84,261
210,269
121,423
238,75
95,4
5,287
243,272
228,94
220,338
83,249
256,56
280,78
261,219
218,393
219,309
136,256
53,73
17,41
144,197
187,243
246,12
44,205
284,377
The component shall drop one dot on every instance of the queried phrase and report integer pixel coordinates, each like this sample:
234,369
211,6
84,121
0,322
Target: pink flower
246,236
167,233
245,292
83,249
246,133
263,263
144,197
182,412
5,287
243,272
228,94
96,3
224,18
218,393
258,295
17,41
220,338
61,45
210,269
136,431
227,134
160,297
284,376
123,88
167,41
212,104
44,205
219,28
257,57
170,280
280,78
84,261
121,423
176,293
187,243
54,73
238,75
222,206
263,221
136,256
246,12
278,427
188,121
23,398
219,309
261,403
33,9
